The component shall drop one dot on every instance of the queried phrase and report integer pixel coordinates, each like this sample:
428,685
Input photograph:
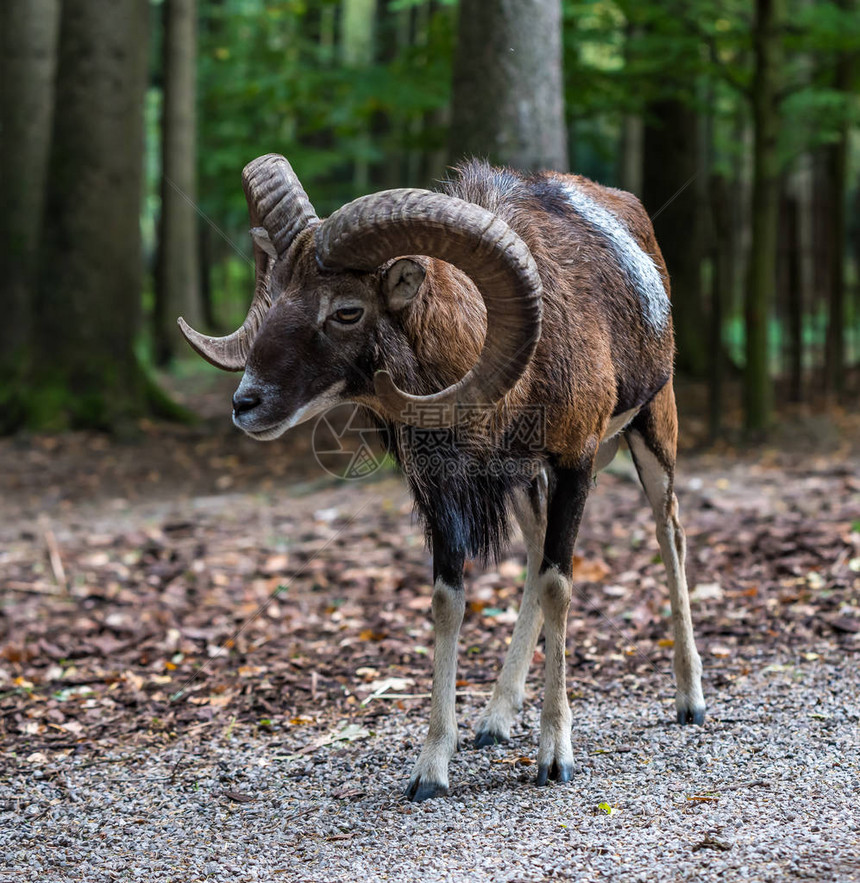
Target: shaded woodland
126,125
215,655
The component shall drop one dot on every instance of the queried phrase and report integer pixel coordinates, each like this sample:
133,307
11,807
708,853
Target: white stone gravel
779,757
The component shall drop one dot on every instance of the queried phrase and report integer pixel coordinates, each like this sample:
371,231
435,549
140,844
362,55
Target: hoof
418,790
555,772
691,716
488,738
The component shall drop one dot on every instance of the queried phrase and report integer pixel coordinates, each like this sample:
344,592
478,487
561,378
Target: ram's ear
262,239
401,282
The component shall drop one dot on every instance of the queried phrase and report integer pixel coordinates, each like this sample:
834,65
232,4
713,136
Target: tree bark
630,155
855,304
85,372
508,99
792,284
177,279
357,44
630,163
722,254
672,161
761,274
28,31
836,165
357,32
204,242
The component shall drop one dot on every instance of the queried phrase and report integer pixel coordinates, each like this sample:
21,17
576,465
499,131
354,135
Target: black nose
245,402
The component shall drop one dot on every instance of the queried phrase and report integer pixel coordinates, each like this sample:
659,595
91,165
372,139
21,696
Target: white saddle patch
638,266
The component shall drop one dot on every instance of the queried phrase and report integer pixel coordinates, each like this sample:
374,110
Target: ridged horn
373,229
277,203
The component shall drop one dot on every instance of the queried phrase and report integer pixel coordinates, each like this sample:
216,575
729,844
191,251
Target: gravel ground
767,790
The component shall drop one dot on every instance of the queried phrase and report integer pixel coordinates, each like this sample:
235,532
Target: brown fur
597,355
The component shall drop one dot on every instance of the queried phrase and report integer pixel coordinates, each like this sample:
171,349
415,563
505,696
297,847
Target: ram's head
329,294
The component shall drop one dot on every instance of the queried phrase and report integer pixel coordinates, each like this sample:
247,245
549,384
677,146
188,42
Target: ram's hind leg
652,438
567,501
495,723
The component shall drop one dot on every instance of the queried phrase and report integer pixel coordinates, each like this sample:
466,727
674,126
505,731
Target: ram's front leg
555,752
430,776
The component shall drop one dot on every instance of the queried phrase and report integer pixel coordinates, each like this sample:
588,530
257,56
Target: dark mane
462,493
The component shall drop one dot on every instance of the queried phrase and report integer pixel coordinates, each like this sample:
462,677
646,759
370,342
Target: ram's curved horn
279,210
373,229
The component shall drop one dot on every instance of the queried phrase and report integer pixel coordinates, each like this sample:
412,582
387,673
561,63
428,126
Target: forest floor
215,665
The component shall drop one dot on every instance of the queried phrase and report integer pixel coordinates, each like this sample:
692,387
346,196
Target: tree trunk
357,42
328,16
177,280
761,274
508,99
28,35
630,155
417,157
630,163
672,160
791,283
836,165
204,242
855,304
85,372
722,254
822,253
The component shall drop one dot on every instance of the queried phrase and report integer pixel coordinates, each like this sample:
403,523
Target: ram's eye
348,315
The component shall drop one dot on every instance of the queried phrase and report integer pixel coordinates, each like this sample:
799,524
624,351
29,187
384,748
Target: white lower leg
508,694
689,699
495,722
555,753
431,770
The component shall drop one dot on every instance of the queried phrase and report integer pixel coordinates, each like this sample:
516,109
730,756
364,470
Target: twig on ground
54,557
756,783
31,588
711,842
422,695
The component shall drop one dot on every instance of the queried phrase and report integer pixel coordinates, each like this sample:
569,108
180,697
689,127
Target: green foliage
52,401
271,80
621,57
273,76
401,5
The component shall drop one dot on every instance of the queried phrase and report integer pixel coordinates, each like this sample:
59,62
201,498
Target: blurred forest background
126,123
202,634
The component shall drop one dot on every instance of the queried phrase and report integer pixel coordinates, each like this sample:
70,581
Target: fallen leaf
588,570
386,685
711,842
349,733
707,592
238,797
606,808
